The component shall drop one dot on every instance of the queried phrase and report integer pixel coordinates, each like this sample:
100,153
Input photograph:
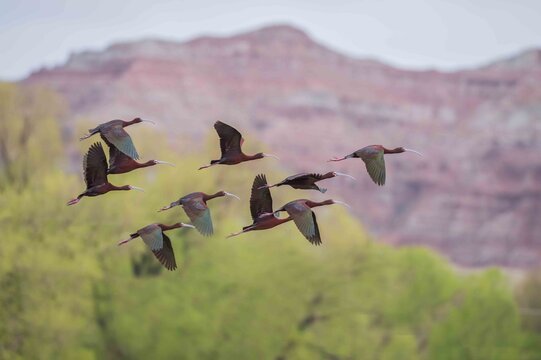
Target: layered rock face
475,196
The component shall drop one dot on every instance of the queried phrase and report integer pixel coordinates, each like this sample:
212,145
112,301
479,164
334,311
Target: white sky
408,33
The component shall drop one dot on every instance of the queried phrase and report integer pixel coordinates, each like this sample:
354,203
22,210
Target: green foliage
68,292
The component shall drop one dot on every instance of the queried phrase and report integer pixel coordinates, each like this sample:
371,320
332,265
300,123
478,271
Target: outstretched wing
230,139
306,222
152,235
261,199
199,214
117,159
166,255
95,166
117,136
376,168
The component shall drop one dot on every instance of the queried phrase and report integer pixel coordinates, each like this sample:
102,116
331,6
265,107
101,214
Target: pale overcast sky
409,33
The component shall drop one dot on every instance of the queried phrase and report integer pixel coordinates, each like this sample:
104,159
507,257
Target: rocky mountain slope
475,196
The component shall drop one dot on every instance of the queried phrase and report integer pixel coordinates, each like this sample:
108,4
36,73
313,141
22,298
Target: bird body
195,206
113,133
120,163
261,208
95,174
372,156
154,237
230,145
308,181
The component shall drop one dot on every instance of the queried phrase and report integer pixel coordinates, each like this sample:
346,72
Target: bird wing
117,136
230,139
376,168
199,214
306,222
117,157
166,255
261,199
152,235
95,166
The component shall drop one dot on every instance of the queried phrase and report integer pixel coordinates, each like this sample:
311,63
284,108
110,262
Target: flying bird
308,181
113,133
372,156
195,206
95,173
261,208
120,163
305,219
230,144
153,235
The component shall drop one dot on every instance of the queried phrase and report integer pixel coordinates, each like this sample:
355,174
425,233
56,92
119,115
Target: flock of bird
123,156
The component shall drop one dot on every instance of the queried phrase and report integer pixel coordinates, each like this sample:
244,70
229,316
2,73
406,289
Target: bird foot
73,201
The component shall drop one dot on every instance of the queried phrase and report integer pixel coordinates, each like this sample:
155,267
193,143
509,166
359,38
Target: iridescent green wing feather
117,136
199,214
376,168
95,166
152,235
260,199
306,222
166,255
230,139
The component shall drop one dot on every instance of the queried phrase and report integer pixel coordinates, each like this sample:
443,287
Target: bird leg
206,166
266,186
73,201
235,234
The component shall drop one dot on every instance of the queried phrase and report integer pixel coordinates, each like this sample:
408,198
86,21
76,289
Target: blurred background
443,262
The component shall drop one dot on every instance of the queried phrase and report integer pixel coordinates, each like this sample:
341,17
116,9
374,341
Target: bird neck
131,122
210,197
313,204
124,187
327,175
253,157
393,151
170,227
146,164
281,221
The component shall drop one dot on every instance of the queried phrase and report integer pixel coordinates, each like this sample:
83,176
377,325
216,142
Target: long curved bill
414,151
150,121
233,195
342,203
266,187
137,188
164,163
186,225
271,155
346,175
337,159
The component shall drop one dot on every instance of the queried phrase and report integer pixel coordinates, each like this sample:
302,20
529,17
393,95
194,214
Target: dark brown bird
95,172
230,143
113,133
305,219
308,181
160,244
195,206
120,163
372,156
261,208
